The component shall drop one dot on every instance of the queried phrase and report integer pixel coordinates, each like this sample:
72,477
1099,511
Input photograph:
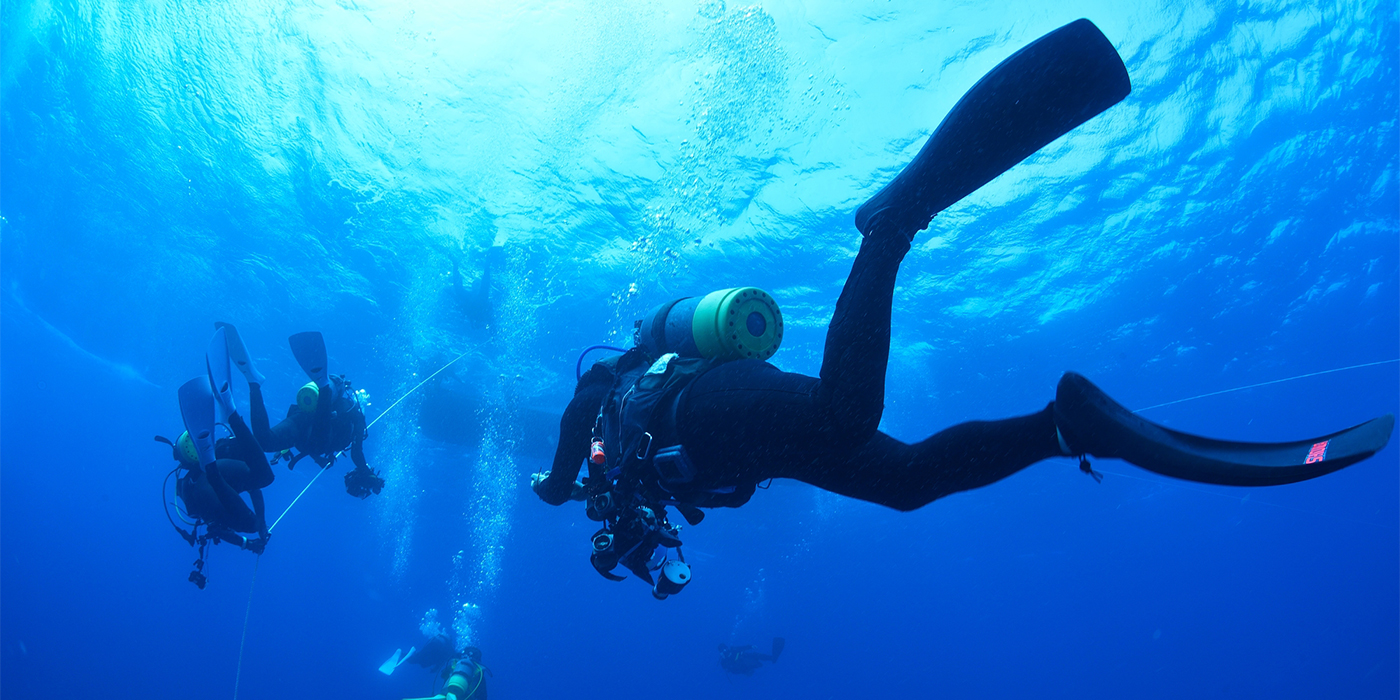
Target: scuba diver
694,417
745,660
327,419
463,675
474,301
217,471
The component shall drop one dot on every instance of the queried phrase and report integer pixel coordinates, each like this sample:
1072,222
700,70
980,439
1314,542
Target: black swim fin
197,411
1039,94
1092,422
309,349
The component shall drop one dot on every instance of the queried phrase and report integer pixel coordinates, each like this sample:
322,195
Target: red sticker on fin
1317,453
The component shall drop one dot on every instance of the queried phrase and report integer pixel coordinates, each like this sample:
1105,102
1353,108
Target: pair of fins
199,396
395,661
1037,95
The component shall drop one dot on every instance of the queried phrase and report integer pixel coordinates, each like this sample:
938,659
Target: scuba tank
345,397
742,323
463,681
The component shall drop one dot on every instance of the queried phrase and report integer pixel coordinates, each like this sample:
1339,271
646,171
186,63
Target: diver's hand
555,491
537,482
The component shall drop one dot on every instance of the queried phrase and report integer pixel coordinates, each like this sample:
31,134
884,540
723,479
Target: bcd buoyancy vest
637,424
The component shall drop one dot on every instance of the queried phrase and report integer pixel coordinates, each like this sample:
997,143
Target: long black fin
1094,423
1039,94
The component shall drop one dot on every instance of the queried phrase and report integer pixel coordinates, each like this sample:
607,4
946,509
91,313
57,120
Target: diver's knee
851,429
908,501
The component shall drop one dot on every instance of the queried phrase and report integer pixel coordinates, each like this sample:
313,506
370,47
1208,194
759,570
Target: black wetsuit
435,653
319,435
747,421
211,494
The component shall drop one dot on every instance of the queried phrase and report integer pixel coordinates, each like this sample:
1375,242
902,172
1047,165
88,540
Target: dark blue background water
302,166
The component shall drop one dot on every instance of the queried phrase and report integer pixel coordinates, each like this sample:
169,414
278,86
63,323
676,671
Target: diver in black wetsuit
315,428
327,418
693,417
474,300
320,434
745,421
216,472
744,660
211,494
435,654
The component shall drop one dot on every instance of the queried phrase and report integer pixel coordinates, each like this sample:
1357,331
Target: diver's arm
259,510
575,434
237,516
357,445
247,450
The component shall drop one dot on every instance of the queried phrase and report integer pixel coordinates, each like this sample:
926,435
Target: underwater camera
600,506
633,543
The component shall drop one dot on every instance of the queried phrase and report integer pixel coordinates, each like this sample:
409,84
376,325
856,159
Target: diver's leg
259,511
905,477
238,516
261,430
247,450
739,418
858,339
282,436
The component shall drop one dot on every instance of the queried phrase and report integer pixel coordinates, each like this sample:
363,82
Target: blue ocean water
325,165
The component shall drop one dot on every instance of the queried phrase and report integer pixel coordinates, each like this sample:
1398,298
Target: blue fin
197,410
238,353
310,350
395,661
220,373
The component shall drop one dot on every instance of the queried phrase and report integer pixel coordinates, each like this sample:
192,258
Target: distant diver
474,300
463,675
693,417
744,660
216,471
326,420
